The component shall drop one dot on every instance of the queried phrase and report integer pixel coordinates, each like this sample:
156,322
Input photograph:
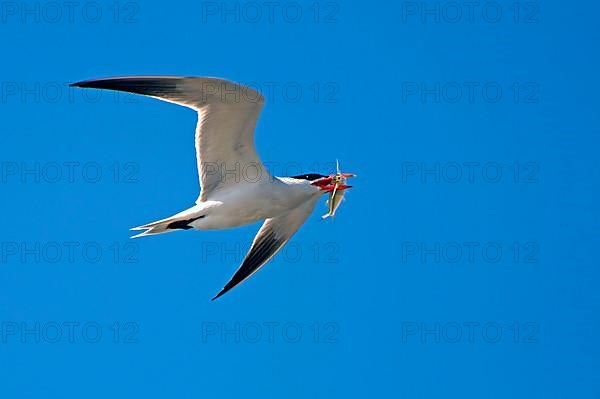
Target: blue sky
462,264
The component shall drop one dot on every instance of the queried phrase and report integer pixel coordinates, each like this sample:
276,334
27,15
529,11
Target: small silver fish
339,190
335,198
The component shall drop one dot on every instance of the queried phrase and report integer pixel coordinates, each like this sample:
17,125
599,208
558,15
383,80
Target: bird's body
240,206
227,115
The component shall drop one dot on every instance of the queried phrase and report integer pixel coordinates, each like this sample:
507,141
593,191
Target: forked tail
181,221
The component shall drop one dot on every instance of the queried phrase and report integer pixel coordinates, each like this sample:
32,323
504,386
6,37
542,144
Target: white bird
227,116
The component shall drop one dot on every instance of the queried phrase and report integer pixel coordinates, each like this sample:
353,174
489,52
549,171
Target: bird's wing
271,237
227,116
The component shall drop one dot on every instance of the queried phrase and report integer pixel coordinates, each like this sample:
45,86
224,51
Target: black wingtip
84,83
218,295
94,84
224,291
164,87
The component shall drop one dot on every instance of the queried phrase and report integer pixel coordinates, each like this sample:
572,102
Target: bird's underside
224,140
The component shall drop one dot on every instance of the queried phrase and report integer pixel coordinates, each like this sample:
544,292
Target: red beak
331,187
327,183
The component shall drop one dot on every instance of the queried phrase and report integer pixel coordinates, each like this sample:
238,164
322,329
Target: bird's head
327,184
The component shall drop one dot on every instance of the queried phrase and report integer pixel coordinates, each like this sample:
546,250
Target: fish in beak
333,181
336,185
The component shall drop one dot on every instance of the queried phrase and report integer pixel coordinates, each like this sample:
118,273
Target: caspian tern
227,116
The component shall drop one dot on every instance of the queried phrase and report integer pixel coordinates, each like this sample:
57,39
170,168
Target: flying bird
227,116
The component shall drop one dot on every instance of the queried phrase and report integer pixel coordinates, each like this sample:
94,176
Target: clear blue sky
463,264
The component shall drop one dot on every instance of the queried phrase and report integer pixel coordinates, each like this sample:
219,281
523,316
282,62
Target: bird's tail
180,221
